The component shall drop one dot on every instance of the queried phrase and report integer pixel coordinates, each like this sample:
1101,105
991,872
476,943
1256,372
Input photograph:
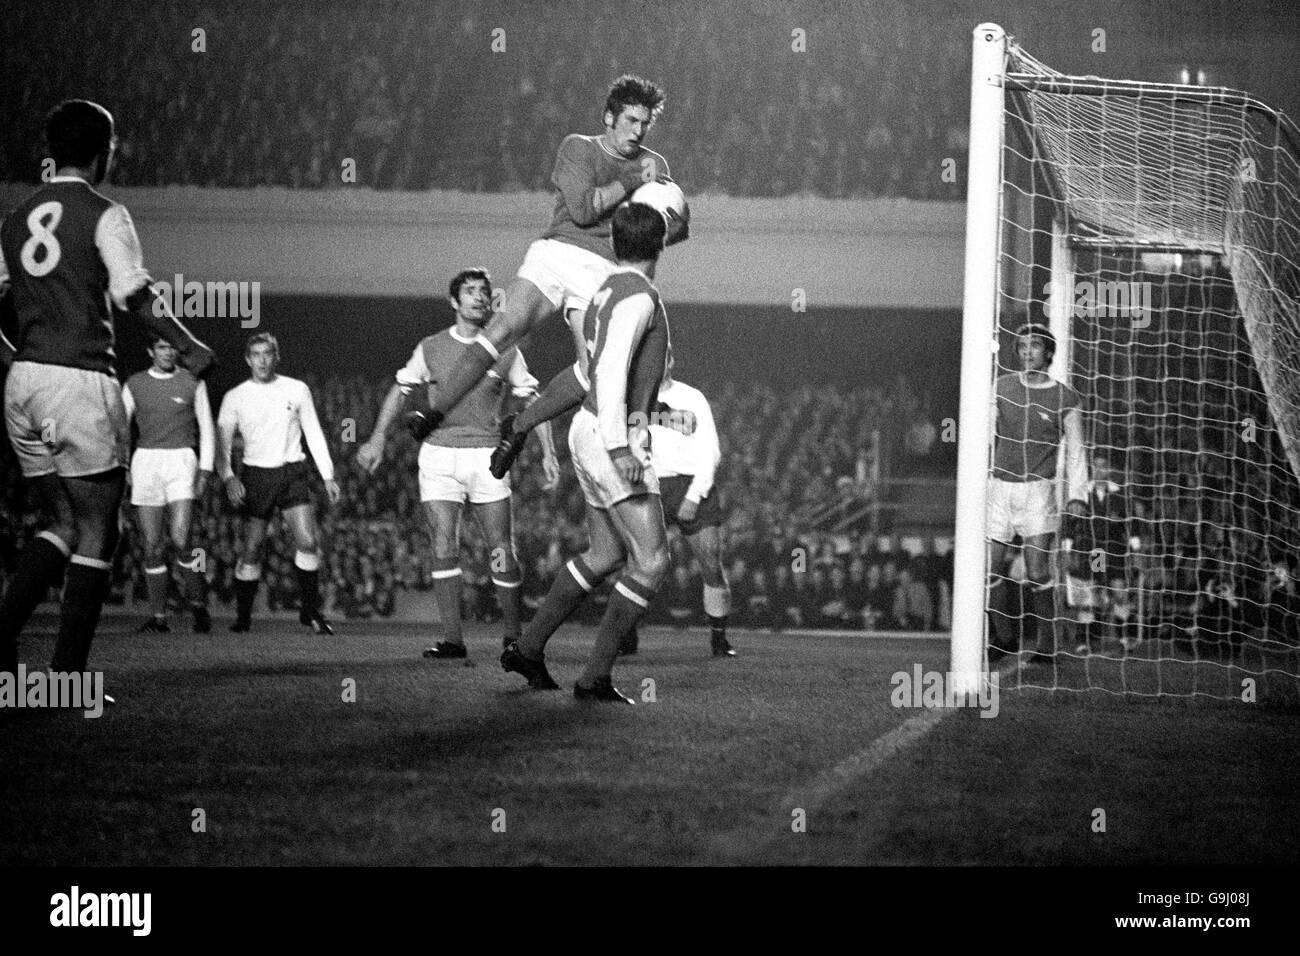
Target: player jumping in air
563,269
1034,414
686,466
454,459
274,413
609,440
69,251
171,411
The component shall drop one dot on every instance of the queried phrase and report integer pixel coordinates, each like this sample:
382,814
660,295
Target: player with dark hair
173,416
274,413
609,440
454,456
68,252
1033,415
563,269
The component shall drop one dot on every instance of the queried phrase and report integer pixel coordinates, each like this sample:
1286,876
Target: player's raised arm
575,177
132,289
523,388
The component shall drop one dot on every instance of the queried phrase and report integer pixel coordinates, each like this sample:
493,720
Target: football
662,196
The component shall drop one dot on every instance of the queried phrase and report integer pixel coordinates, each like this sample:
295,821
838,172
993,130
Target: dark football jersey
59,281
1030,424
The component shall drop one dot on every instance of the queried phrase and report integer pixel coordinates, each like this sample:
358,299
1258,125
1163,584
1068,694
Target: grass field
440,763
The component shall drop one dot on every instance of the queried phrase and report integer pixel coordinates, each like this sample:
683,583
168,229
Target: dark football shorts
672,491
266,489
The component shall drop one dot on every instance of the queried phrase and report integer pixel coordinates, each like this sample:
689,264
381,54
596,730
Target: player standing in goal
454,459
1034,415
563,269
171,411
274,413
67,252
609,440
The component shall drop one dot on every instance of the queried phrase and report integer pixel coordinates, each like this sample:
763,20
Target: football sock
466,372
446,591
306,566
1000,617
1042,604
156,581
196,586
572,585
247,577
717,605
562,393
627,605
84,591
508,585
42,560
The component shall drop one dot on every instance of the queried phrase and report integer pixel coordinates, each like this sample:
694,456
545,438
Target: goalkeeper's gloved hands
419,418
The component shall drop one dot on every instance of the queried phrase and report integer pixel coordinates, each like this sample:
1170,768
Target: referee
274,413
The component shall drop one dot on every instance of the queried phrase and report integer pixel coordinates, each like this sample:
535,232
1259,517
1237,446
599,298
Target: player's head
470,292
1035,345
631,107
638,232
163,354
262,353
79,134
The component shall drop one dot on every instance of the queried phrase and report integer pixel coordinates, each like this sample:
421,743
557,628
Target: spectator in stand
913,607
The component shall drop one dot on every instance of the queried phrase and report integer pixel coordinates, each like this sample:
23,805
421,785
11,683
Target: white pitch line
744,841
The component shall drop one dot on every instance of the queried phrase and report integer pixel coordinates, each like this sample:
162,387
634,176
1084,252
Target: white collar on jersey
1028,384
460,338
157,374
68,179
609,152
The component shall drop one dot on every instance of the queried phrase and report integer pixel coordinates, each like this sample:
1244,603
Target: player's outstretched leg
563,393
522,307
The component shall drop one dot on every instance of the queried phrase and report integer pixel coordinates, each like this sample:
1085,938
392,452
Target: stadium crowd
267,95
783,574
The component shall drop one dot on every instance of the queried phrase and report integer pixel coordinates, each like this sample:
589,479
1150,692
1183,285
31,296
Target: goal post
978,345
1155,227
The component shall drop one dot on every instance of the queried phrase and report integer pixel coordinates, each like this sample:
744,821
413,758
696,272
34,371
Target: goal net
1155,229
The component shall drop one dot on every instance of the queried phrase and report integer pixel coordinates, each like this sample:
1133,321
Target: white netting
1181,207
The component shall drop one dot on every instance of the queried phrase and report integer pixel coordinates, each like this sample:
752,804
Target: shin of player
68,251
274,413
1033,415
564,268
609,441
453,460
171,410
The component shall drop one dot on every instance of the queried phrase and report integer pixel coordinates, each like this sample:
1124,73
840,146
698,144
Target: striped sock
628,603
572,585
446,591
83,598
508,585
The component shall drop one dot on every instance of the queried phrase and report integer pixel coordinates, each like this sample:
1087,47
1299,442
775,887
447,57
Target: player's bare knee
651,564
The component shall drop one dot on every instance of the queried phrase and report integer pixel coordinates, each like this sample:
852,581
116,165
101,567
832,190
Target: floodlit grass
253,730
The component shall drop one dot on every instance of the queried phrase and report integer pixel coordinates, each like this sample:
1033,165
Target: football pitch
242,750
